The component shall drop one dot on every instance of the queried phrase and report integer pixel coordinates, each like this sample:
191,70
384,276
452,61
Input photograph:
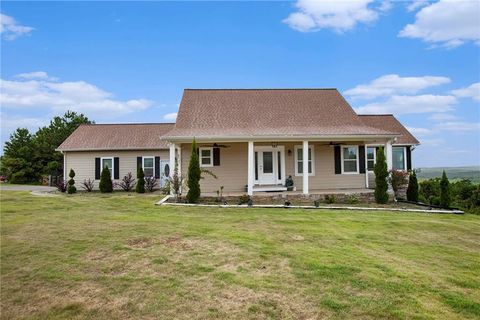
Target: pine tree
444,191
381,175
412,190
140,188
106,185
71,183
194,174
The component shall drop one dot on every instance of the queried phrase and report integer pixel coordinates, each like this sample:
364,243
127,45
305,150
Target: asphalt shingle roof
389,122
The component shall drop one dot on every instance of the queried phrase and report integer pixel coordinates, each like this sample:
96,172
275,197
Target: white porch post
172,163
251,163
366,166
389,155
305,167
178,155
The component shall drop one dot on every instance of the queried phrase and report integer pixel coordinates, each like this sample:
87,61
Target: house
252,140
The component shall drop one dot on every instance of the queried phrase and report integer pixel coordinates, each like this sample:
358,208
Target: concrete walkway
26,187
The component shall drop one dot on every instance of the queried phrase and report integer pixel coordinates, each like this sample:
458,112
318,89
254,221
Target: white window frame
343,160
374,156
153,161
200,157
112,169
312,152
404,157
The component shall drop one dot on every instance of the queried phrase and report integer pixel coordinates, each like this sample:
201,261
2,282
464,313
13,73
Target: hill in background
453,173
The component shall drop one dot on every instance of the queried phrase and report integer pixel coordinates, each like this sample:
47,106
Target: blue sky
129,62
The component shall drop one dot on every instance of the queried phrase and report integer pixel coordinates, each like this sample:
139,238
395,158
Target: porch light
289,152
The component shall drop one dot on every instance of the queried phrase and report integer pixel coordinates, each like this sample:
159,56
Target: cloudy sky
129,62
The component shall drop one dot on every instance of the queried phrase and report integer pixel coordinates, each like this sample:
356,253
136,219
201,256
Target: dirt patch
140,243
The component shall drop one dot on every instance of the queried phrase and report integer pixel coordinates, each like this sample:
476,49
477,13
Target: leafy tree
71,183
140,188
18,163
412,190
445,191
106,185
381,176
194,176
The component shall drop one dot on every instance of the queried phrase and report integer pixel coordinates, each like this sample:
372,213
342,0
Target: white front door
269,165
164,171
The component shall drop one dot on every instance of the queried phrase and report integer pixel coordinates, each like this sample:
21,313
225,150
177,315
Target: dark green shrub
140,188
244,199
422,199
71,183
106,184
353,199
194,175
381,176
445,191
435,200
330,198
412,190
430,188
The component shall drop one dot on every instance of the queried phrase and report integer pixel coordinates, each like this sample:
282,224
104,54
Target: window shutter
157,167
116,168
409,158
139,162
361,154
216,156
338,165
97,168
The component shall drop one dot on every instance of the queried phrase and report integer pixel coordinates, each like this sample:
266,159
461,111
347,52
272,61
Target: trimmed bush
445,191
412,190
88,185
71,183
381,176
194,175
106,185
140,188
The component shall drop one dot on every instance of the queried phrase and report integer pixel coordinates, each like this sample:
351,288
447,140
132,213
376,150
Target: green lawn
119,256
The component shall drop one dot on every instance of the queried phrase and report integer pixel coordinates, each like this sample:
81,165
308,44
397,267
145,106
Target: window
299,161
206,157
399,158
149,166
107,162
350,159
371,158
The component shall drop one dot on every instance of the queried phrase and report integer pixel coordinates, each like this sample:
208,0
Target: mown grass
118,257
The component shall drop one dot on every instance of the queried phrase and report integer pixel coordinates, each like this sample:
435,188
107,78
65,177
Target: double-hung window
148,166
399,158
371,158
299,161
107,162
206,157
350,159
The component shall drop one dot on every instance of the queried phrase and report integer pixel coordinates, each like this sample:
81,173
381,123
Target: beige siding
232,172
83,162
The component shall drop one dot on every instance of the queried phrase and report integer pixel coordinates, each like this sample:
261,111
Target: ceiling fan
215,145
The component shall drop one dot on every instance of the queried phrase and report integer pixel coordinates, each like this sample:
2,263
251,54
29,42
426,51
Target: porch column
172,163
251,163
366,166
389,155
305,167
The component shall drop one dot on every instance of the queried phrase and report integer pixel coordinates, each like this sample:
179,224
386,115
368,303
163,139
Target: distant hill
453,173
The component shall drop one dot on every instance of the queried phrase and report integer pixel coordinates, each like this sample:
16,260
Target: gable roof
389,122
117,137
267,112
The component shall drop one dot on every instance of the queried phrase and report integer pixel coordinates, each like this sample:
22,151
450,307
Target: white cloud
472,91
41,75
341,16
10,29
420,131
170,116
442,117
391,84
446,23
416,4
458,126
61,96
9,124
410,104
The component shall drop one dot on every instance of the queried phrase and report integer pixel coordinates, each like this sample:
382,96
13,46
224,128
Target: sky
120,62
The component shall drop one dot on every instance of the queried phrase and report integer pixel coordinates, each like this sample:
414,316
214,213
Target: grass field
453,173
118,256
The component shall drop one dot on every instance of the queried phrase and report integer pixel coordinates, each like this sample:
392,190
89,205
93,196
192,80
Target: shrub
398,179
62,185
175,182
445,191
194,174
412,190
430,188
381,175
140,188
127,183
244,199
150,183
435,201
330,198
106,185
422,199
88,185
352,199
71,183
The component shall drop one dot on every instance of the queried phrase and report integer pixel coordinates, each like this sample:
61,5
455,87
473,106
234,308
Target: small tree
140,188
412,190
106,184
175,182
194,176
381,175
445,191
71,183
127,183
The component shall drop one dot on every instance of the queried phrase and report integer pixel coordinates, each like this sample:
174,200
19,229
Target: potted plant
289,183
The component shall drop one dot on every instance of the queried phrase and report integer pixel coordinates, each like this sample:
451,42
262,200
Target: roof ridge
122,124
255,89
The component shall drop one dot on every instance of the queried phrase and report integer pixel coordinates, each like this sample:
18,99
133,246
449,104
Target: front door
164,171
269,165
266,172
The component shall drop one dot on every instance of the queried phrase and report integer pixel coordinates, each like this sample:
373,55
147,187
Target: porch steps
269,188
